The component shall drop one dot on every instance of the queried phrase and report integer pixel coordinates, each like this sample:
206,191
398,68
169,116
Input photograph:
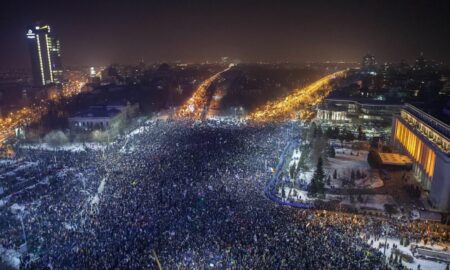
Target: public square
228,135
193,194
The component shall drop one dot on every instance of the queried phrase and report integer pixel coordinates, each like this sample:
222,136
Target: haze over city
104,32
225,135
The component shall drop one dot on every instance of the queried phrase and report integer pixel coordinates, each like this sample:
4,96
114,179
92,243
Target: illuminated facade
426,140
326,114
45,55
356,110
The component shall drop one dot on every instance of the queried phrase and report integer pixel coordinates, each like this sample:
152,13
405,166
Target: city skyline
102,33
214,134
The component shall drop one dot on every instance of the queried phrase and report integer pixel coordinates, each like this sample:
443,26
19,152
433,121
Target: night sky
105,32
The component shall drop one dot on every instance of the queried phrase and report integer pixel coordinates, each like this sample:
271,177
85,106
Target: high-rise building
45,55
421,64
369,63
92,72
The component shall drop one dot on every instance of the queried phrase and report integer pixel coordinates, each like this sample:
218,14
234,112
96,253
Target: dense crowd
180,194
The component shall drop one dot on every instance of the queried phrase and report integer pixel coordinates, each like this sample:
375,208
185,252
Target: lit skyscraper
45,55
369,63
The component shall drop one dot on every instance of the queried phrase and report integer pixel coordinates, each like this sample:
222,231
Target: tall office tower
369,63
45,55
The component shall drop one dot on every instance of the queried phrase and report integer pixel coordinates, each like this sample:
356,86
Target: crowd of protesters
176,195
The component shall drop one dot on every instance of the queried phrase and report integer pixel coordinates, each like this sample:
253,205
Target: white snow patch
369,201
139,130
10,257
101,187
69,226
94,201
70,147
17,208
4,201
127,150
7,161
424,264
348,160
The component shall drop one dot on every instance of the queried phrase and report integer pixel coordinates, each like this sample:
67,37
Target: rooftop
395,159
440,124
369,101
436,110
97,112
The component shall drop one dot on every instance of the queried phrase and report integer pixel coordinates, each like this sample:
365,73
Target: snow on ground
306,176
424,264
96,198
94,201
101,187
17,208
71,147
295,194
295,158
347,160
7,161
69,226
10,257
298,195
369,201
4,201
127,149
139,130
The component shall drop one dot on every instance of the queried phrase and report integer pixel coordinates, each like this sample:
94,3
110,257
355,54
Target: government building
426,140
354,110
95,117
